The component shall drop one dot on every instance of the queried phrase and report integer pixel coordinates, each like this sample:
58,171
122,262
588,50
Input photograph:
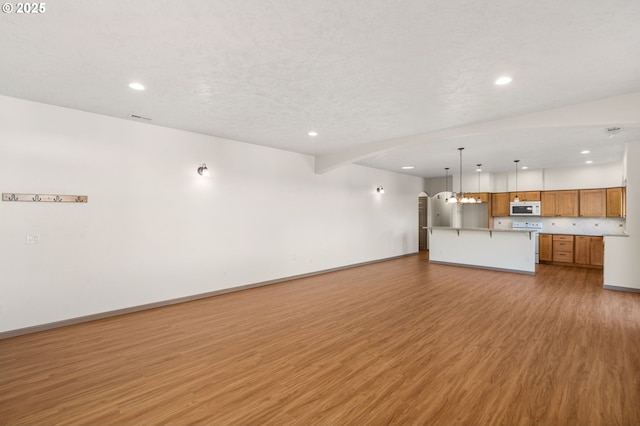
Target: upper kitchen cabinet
616,202
484,196
559,203
500,204
526,195
593,202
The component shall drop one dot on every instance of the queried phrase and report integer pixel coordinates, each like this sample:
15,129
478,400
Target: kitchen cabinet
559,203
589,250
582,250
548,203
562,249
545,245
596,246
593,202
525,195
572,250
616,202
500,204
484,196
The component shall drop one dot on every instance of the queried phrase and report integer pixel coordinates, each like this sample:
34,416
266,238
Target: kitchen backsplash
568,225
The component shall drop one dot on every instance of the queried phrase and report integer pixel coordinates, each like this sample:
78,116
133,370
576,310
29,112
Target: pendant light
516,199
478,169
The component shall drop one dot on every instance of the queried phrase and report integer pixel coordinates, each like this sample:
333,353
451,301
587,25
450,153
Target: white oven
535,228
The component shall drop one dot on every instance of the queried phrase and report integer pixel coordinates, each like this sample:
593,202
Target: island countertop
476,229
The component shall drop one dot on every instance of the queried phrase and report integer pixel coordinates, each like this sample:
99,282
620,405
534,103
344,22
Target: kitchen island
506,250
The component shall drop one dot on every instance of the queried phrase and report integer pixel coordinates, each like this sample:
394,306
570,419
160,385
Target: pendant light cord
461,193
516,198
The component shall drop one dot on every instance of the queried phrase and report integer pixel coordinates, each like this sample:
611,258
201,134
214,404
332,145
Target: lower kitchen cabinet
597,251
545,247
563,248
589,250
583,251
576,250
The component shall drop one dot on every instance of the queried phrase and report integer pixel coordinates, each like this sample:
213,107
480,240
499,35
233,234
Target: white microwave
524,208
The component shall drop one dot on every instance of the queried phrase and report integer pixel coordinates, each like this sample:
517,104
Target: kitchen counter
584,234
501,249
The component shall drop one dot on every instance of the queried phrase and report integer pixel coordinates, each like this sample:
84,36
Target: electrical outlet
33,238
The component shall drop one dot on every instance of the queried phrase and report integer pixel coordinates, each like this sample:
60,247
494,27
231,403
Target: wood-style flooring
397,342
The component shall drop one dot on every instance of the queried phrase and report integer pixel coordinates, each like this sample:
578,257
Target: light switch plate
33,238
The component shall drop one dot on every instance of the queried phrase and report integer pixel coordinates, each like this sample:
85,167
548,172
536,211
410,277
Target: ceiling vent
139,117
611,131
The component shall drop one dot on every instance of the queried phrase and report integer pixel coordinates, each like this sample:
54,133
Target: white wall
592,176
621,254
155,230
433,186
586,177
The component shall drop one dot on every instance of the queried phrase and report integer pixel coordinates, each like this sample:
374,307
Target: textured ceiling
357,72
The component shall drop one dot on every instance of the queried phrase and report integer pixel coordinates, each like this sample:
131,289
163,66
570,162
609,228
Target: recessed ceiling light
136,86
586,151
588,162
503,80
407,167
525,167
313,133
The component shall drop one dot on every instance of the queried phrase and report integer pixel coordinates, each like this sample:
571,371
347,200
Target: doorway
423,215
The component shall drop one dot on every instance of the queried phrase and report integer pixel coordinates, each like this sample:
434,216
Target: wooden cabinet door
567,203
545,244
582,250
615,202
525,195
563,248
548,203
484,196
500,204
596,248
593,203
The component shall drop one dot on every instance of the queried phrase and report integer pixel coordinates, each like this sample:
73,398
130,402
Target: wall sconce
380,190
203,171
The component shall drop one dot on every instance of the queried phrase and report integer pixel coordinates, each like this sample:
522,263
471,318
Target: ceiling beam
621,111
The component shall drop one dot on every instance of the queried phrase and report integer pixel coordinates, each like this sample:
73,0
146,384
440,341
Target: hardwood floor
400,342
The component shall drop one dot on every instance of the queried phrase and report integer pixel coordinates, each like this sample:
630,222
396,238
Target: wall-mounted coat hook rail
45,198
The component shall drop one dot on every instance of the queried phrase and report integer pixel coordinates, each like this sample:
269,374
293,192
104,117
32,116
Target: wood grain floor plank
398,342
